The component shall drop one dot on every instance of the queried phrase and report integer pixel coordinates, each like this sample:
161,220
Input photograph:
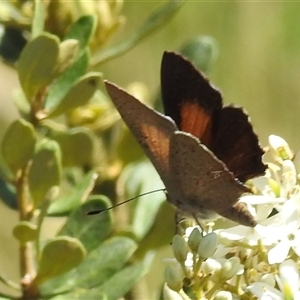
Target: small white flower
288,282
231,267
264,205
264,291
279,148
284,228
288,279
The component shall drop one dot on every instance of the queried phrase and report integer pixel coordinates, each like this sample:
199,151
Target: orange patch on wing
196,121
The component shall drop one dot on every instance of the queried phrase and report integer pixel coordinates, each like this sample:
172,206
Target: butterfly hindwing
203,181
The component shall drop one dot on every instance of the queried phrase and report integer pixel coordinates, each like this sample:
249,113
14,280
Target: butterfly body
186,147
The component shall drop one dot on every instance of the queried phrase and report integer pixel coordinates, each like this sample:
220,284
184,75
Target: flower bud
174,277
202,50
223,295
194,239
180,248
208,245
230,268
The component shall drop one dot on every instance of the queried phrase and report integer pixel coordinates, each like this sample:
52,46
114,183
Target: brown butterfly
202,150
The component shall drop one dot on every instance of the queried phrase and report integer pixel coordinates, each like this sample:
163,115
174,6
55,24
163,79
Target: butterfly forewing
151,129
196,107
188,97
200,180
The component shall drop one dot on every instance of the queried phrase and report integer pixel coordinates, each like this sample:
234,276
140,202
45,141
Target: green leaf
37,64
78,95
100,265
45,171
121,283
59,256
18,145
81,139
60,88
38,21
161,232
22,104
104,261
4,297
140,178
82,30
114,288
78,195
67,54
90,230
25,231
155,20
8,194
202,51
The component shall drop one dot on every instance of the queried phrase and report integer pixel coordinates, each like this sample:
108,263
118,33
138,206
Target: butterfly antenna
95,212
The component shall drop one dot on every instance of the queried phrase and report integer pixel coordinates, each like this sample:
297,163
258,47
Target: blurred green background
258,68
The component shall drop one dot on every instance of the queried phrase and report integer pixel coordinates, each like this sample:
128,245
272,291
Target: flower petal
279,253
289,275
264,292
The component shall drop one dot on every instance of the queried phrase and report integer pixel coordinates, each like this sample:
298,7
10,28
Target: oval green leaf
78,95
79,194
114,288
45,171
82,30
122,282
18,144
68,50
37,64
140,178
80,139
25,231
60,87
107,259
99,266
90,230
59,256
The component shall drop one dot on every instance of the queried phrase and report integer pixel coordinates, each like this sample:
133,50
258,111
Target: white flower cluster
241,262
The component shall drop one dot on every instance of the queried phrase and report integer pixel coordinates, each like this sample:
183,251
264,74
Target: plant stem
27,268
